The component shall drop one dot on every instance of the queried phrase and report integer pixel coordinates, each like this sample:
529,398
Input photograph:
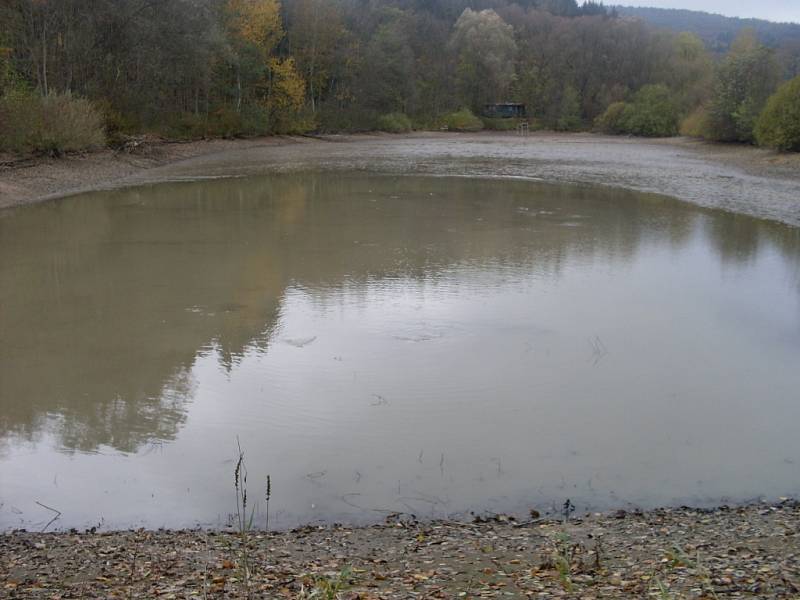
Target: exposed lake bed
385,344
674,553
733,177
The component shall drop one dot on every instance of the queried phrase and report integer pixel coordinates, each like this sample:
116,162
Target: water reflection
122,310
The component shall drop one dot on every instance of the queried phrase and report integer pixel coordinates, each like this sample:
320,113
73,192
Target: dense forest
80,73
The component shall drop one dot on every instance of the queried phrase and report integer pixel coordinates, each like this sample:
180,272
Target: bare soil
742,179
751,552
33,179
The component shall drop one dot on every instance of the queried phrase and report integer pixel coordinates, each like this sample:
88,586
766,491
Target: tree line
717,31
74,71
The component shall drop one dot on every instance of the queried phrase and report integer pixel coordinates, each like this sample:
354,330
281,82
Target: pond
421,345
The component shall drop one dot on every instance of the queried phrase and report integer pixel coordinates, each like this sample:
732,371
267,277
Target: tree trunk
45,91
238,88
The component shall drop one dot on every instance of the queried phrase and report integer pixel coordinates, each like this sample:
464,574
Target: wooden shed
504,110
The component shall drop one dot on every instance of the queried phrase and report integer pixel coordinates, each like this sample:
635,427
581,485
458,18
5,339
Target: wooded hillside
717,31
195,68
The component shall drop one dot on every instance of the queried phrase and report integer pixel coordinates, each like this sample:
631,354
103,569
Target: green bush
332,119
745,79
778,126
611,120
225,122
395,122
463,120
281,122
651,114
117,125
255,120
185,126
52,124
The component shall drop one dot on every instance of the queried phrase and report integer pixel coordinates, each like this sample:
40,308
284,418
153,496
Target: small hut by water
504,110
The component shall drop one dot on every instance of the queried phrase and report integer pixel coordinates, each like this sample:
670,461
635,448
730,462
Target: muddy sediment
741,179
750,552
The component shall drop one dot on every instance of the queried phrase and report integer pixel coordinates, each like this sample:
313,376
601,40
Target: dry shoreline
31,180
742,179
749,552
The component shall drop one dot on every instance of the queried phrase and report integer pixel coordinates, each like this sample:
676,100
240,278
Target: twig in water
50,508
346,499
599,350
317,475
499,463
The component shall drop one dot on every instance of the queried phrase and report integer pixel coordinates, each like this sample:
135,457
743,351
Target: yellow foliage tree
257,23
288,88
286,97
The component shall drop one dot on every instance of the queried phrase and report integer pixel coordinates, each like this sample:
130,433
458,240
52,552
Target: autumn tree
389,61
745,80
691,72
596,59
779,125
433,67
257,29
316,33
485,52
8,75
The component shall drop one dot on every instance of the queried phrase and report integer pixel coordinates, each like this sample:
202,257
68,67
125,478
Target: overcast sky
774,10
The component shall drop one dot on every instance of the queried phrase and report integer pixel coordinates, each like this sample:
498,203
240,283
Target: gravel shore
748,552
736,178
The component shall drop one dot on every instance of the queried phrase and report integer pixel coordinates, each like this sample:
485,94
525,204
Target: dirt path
730,553
736,178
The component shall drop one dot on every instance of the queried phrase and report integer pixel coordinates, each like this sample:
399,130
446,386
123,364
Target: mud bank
749,552
746,180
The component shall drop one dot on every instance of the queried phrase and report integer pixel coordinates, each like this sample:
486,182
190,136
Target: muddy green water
378,344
